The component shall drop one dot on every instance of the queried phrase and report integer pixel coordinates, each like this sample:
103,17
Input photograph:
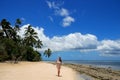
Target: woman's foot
59,76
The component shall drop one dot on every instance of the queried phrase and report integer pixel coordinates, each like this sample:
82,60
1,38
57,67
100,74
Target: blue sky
92,24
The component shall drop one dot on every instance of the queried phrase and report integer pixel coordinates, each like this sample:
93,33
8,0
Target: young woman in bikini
58,65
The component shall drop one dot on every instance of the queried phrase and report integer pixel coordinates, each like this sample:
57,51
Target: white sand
34,71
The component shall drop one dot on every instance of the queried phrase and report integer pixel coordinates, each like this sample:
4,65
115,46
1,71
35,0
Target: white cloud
67,21
72,41
110,47
62,12
52,5
22,30
49,4
76,41
40,32
66,42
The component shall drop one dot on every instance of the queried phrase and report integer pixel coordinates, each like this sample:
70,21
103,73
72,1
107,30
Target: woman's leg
58,72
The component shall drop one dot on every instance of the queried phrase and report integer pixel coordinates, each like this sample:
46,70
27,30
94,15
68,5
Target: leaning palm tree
48,53
6,27
11,39
8,30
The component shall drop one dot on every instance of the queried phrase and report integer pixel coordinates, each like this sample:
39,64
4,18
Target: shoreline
35,71
47,71
95,72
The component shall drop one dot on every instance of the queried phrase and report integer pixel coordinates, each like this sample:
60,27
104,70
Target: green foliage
37,56
47,53
30,36
3,53
1,34
13,47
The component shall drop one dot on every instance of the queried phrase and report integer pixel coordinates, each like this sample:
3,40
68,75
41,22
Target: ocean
113,64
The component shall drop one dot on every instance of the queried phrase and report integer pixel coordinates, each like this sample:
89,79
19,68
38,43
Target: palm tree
30,36
6,27
48,53
12,46
11,39
16,29
17,25
8,30
31,40
38,44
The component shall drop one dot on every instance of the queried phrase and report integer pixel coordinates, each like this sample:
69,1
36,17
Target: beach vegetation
15,48
47,53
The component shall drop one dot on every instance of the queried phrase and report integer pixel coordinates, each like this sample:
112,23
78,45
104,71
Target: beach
35,71
47,71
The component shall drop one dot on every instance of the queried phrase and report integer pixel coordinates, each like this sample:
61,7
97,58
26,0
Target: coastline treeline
13,47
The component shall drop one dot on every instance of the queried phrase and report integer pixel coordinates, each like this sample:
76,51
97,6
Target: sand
34,71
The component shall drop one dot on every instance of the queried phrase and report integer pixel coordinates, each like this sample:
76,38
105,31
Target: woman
58,65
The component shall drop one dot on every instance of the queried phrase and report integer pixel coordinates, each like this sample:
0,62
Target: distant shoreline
113,64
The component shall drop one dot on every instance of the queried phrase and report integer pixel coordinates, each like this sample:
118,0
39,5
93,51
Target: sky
72,29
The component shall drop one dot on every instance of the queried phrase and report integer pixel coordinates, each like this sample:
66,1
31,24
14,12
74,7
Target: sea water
113,64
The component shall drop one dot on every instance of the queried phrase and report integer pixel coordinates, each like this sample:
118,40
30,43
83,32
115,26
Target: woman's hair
60,59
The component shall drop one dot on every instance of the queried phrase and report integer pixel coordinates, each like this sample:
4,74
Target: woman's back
58,65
